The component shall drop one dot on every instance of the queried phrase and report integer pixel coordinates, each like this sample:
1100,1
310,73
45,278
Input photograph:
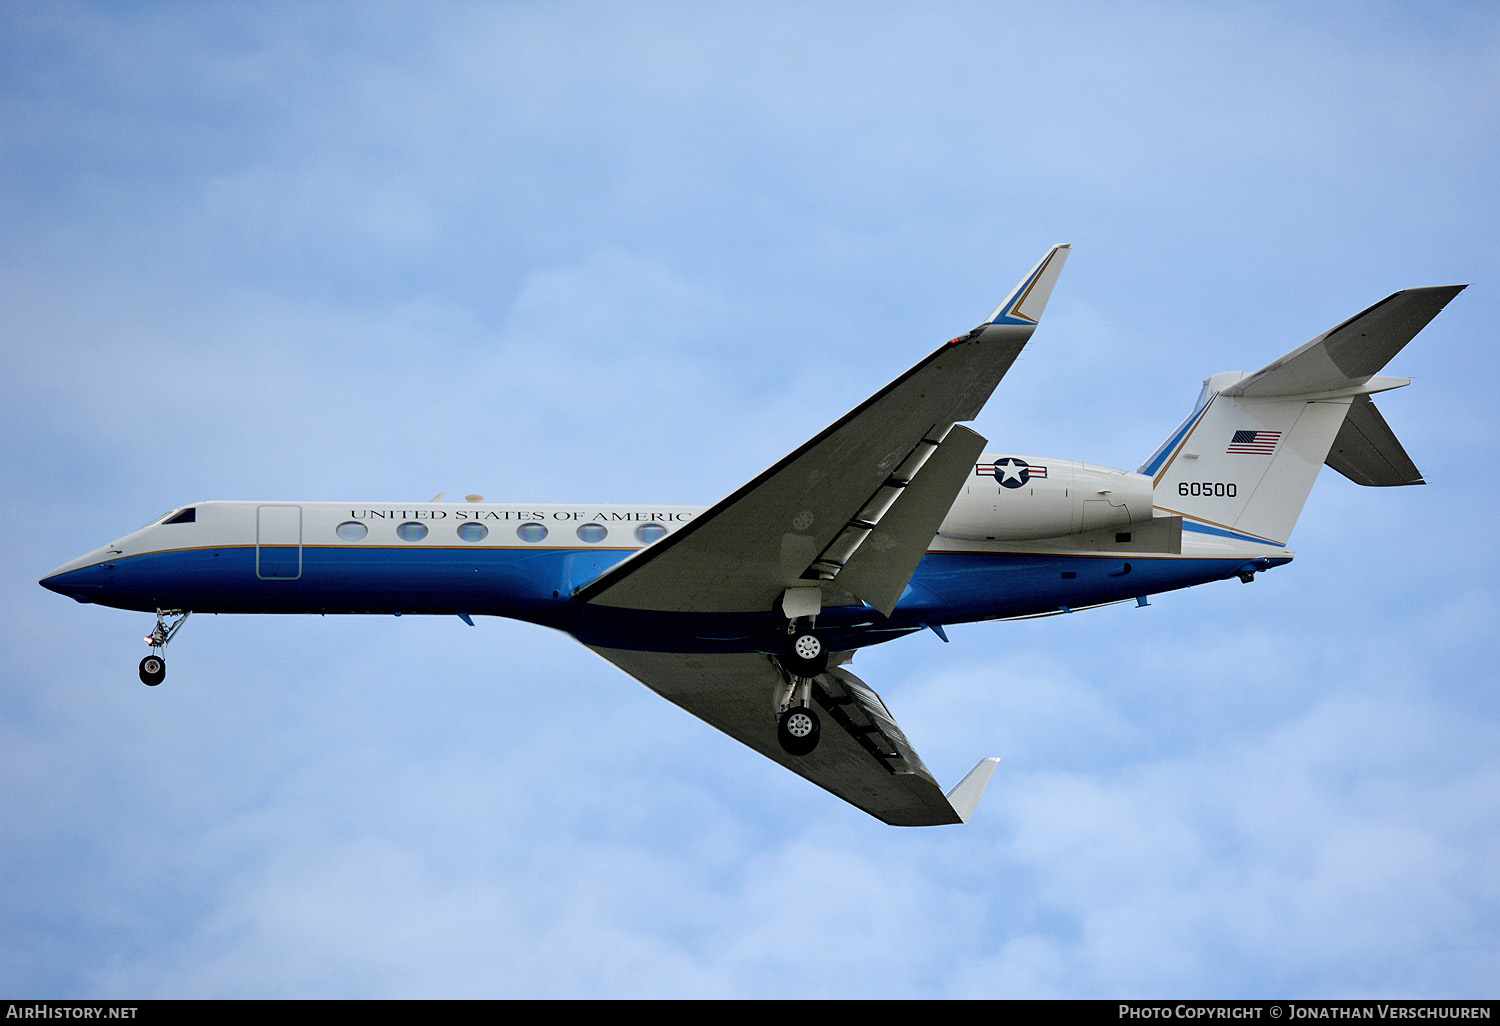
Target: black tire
806,654
153,670
797,730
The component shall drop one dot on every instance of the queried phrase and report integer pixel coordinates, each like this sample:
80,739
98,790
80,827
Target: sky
577,252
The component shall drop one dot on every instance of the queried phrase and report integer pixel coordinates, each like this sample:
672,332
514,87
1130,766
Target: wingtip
966,793
1027,300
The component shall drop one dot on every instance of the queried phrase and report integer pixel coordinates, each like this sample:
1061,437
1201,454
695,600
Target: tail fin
1246,459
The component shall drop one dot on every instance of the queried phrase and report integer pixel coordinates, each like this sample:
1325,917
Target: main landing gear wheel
797,730
153,670
806,655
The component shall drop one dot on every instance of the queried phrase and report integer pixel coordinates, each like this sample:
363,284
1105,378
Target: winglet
966,793
1027,300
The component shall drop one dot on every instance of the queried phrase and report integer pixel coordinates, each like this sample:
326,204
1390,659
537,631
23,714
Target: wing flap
884,562
840,688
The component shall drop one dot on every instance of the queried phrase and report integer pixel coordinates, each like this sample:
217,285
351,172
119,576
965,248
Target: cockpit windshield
186,515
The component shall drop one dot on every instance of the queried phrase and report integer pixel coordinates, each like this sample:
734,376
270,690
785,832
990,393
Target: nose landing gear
154,666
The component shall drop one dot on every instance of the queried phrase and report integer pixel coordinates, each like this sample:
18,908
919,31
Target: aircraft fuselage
525,561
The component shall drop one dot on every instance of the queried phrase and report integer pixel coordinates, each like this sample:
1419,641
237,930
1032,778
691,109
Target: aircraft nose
80,579
72,583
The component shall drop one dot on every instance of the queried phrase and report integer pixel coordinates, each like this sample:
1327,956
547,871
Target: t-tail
1244,462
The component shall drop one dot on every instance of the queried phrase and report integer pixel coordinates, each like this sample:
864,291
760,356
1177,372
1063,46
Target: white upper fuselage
1047,512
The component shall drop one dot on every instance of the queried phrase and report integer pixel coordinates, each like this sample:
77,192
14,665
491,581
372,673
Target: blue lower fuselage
537,585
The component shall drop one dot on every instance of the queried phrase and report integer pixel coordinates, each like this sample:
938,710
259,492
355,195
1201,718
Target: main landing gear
797,730
154,666
804,656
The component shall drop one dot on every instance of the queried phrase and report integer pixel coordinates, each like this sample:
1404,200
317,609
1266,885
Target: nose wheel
153,670
154,666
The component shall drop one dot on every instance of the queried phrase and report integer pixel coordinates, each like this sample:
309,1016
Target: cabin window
472,532
532,532
1069,575
649,533
187,516
411,531
592,533
352,530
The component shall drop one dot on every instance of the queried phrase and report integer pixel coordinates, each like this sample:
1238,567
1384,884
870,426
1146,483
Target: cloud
557,253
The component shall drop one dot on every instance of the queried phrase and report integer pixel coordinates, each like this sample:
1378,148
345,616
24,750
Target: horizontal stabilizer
1367,452
1352,352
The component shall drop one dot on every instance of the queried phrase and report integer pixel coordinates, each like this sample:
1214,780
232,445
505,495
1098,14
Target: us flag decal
1261,442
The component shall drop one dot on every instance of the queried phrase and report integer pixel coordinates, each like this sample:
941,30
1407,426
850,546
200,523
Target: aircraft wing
862,756
806,517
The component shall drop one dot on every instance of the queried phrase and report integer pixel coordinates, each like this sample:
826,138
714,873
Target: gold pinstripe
1191,431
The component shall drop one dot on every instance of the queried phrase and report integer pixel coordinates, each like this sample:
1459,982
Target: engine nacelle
1013,497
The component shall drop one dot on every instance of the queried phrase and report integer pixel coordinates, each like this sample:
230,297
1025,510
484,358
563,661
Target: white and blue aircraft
893,520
